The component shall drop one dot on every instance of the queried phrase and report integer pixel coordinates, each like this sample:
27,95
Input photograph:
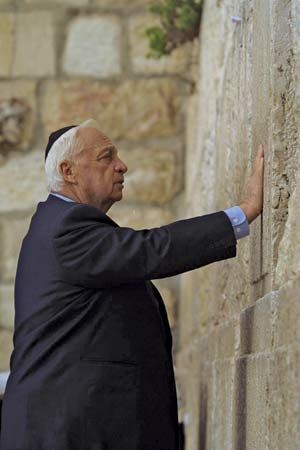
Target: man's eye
104,157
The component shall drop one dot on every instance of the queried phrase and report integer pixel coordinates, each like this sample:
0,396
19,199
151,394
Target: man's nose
121,166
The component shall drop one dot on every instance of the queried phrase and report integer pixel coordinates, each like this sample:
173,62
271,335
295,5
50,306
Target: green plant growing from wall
180,21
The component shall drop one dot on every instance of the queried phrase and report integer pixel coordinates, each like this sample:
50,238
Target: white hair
64,148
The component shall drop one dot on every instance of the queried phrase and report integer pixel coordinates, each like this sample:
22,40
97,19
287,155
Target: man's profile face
98,169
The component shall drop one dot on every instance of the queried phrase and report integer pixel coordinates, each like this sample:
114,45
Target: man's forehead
93,137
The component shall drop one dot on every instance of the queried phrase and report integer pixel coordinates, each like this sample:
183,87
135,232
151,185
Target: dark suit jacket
92,362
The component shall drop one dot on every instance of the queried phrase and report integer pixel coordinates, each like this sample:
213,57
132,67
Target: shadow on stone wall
202,417
240,402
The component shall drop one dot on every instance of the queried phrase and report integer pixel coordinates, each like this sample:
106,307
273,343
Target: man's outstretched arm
96,254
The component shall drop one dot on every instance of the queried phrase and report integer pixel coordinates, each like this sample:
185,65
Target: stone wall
63,61
238,361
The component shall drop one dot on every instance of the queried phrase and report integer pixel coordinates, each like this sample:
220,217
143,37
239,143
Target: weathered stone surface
139,217
219,429
195,394
203,301
256,326
285,126
93,46
251,403
191,166
7,24
23,188
13,231
229,284
13,116
288,264
177,62
6,348
284,430
151,177
186,308
35,50
7,312
222,341
287,314
24,93
248,92
133,109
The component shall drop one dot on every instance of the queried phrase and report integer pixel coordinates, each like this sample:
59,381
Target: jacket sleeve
94,253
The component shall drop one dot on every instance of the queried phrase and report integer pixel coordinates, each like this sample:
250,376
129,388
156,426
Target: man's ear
68,171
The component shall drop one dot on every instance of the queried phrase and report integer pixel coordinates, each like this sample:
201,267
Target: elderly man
92,362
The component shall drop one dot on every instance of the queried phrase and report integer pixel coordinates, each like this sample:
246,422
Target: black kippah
54,136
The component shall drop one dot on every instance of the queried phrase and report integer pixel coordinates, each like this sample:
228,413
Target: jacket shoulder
80,215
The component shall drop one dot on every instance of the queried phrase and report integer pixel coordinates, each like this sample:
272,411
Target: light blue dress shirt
236,215
239,221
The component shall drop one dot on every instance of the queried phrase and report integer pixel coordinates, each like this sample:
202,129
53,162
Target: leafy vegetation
180,21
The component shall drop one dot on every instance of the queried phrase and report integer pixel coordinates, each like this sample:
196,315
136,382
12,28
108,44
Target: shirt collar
63,197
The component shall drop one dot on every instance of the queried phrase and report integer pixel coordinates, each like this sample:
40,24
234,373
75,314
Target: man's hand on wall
252,203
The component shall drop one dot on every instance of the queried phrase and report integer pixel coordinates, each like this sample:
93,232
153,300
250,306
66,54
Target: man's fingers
259,160
260,153
261,150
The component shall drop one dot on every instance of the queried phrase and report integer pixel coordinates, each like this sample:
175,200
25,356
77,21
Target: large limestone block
7,24
256,326
219,425
287,314
284,419
151,177
7,311
288,264
13,230
218,162
194,393
206,300
6,348
285,141
23,188
177,62
222,341
131,110
23,92
205,398
35,47
93,46
251,402
229,284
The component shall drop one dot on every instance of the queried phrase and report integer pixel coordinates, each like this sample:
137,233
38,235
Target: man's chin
119,197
